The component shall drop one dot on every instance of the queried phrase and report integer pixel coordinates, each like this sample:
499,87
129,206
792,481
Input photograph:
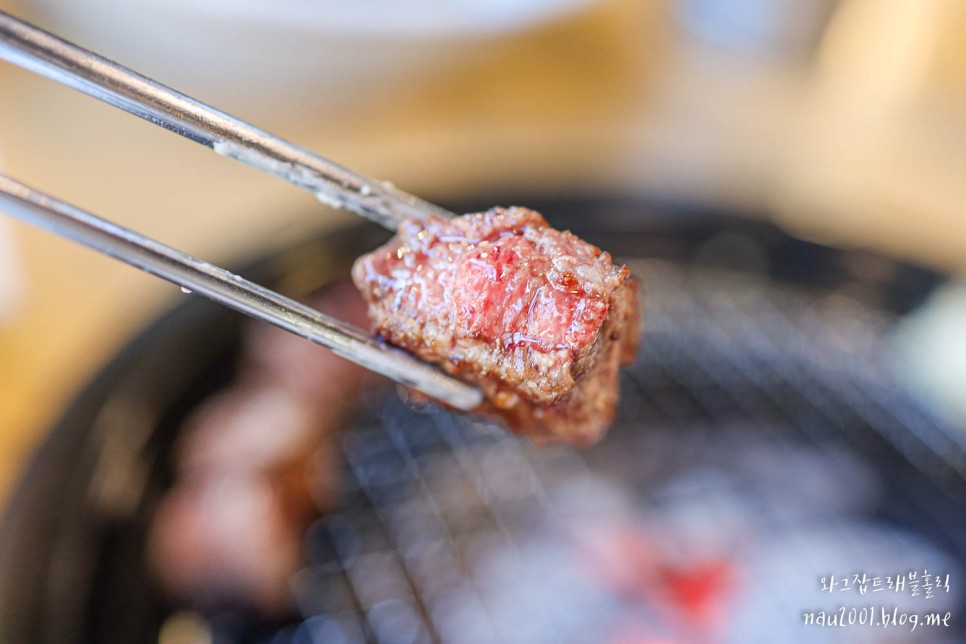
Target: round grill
760,445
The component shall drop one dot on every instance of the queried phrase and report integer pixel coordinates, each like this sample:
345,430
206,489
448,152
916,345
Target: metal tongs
43,53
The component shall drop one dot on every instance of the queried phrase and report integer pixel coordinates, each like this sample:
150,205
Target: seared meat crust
538,318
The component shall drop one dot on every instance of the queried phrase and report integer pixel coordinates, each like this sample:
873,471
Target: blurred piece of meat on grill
254,464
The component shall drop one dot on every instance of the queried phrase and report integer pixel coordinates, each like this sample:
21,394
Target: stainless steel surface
43,53
232,291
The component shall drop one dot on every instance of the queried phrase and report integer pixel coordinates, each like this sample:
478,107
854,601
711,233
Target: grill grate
450,530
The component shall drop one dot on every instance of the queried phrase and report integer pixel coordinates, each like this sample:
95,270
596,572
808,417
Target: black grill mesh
446,521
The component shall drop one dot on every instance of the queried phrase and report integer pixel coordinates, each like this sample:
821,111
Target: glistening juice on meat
538,318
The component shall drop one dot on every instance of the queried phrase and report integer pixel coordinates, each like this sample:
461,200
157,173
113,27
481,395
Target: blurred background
843,122
843,119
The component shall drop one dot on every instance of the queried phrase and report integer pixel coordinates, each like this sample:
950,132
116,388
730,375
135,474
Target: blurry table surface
612,100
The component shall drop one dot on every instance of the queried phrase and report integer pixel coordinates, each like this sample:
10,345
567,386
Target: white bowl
259,55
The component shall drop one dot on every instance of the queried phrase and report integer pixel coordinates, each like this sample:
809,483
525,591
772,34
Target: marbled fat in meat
525,311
